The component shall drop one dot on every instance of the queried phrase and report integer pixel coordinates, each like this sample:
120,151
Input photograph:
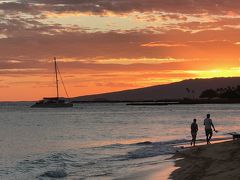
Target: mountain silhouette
191,88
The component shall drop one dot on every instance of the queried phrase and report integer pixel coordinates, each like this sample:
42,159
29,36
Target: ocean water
99,141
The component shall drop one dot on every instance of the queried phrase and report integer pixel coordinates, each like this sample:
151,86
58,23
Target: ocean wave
143,143
84,163
59,173
146,152
147,149
171,142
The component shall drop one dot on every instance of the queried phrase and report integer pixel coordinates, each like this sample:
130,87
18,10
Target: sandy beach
219,161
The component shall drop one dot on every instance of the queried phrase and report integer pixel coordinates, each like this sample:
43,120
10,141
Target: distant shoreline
170,102
154,103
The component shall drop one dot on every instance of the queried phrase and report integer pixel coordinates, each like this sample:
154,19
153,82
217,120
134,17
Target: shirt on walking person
208,123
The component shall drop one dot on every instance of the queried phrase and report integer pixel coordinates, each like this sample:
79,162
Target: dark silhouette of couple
208,129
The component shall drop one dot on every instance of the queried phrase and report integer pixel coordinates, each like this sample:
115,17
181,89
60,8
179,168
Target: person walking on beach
208,128
194,130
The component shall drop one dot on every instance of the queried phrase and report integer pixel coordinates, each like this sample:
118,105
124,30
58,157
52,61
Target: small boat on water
54,102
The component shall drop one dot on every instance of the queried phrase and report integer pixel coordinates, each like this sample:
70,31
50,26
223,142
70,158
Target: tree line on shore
229,92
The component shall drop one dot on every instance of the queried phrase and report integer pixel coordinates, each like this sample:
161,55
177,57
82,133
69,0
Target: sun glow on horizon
234,72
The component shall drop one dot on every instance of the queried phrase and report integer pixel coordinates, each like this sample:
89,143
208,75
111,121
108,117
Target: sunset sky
111,45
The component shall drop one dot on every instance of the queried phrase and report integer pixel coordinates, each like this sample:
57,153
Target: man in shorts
208,128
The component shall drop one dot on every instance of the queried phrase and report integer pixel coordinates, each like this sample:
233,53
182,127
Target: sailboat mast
56,76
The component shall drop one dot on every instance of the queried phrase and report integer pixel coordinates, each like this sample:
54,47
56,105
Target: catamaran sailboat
54,102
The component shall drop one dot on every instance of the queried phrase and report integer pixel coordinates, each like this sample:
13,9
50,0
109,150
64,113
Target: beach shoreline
216,161
219,160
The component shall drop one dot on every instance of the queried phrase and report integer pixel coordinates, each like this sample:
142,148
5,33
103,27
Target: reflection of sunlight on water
163,174
75,144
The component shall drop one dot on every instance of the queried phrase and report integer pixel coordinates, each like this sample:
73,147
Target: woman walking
194,130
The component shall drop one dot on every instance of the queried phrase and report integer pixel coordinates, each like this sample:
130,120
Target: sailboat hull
53,105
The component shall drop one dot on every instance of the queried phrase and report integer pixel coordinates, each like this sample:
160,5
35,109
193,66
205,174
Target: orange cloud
159,44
